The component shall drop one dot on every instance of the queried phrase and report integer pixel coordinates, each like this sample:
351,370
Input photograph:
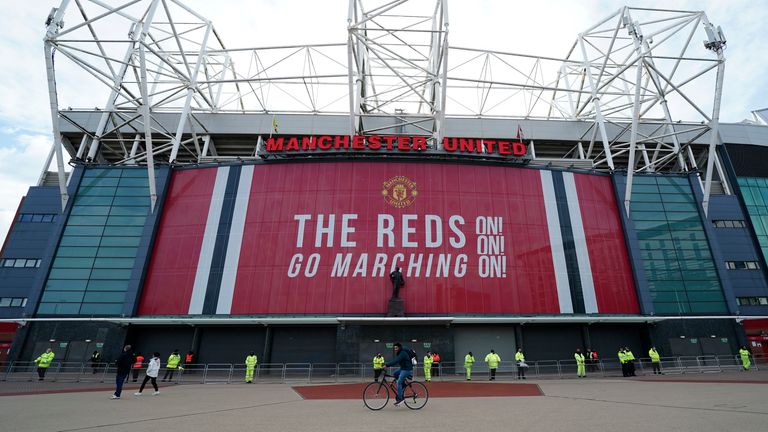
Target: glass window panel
671,308
132,200
63,297
646,206
680,207
116,263
697,265
72,251
107,285
642,188
65,285
683,216
665,285
59,308
136,172
661,265
642,225
81,263
86,220
703,285
708,307
37,218
676,198
127,220
70,274
102,172
667,296
648,215
129,211
685,226
83,230
135,182
48,218
667,180
111,274
653,235
117,252
120,241
24,302
693,275
101,309
95,191
79,241
90,210
20,262
675,189
33,263
123,231
642,179
9,262
93,200
663,275
99,181
691,236
639,197
132,191
104,297
5,302
705,296
26,217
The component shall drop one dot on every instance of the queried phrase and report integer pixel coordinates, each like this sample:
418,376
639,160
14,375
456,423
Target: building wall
28,239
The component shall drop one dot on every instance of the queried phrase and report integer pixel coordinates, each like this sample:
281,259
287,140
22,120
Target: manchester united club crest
399,191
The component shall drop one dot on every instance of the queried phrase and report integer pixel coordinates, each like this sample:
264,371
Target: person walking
250,366
521,364
172,365
378,366
153,369
744,354
655,360
43,363
580,364
95,360
428,367
493,360
469,360
436,363
137,366
124,362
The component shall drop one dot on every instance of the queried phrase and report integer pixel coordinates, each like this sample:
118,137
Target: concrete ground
735,402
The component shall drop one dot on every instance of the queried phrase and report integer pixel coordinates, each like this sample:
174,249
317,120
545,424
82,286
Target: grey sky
545,27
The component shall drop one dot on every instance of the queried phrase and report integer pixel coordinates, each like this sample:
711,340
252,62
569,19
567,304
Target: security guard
520,360
250,365
580,364
428,367
469,360
630,361
655,360
43,363
623,361
493,360
378,366
173,364
744,353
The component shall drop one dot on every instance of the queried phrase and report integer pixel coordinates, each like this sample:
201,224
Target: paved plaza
702,402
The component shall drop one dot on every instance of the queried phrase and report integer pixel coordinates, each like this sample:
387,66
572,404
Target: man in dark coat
124,363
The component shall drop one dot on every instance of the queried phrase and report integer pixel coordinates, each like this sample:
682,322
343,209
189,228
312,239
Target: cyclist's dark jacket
402,360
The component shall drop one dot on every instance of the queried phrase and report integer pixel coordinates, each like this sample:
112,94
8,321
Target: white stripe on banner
556,243
209,241
580,241
227,290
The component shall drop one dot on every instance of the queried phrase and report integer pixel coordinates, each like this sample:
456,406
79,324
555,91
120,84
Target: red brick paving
441,389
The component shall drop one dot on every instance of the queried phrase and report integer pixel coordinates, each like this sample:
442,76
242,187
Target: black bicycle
376,394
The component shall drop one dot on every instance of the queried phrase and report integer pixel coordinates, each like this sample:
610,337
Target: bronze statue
397,281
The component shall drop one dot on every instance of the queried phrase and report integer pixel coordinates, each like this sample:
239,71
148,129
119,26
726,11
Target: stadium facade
193,220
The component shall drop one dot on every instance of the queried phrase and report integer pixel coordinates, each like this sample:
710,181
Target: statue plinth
396,307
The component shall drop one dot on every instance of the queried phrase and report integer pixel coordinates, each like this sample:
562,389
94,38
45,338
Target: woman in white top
153,368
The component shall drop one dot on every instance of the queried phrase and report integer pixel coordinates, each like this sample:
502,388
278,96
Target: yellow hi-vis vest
654,355
427,361
519,357
622,357
493,360
173,361
742,352
468,360
378,362
579,358
250,361
44,360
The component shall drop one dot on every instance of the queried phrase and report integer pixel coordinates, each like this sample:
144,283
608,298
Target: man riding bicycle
403,360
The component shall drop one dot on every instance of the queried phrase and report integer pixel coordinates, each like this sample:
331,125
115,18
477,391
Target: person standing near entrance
428,367
623,361
493,360
137,366
153,369
95,360
378,366
469,360
581,366
124,363
436,363
172,365
630,361
744,354
521,364
250,366
43,363
655,360
189,360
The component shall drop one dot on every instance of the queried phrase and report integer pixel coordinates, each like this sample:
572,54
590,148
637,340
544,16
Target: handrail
228,373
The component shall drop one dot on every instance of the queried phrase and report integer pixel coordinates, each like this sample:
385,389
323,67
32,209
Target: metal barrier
226,373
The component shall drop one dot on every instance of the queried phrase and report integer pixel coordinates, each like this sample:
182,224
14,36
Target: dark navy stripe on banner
569,246
222,240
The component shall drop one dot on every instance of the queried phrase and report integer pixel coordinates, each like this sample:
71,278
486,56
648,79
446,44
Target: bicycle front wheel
416,395
375,396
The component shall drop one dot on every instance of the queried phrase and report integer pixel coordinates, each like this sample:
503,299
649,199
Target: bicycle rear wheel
416,395
376,396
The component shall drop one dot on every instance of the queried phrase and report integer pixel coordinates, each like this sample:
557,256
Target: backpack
412,355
